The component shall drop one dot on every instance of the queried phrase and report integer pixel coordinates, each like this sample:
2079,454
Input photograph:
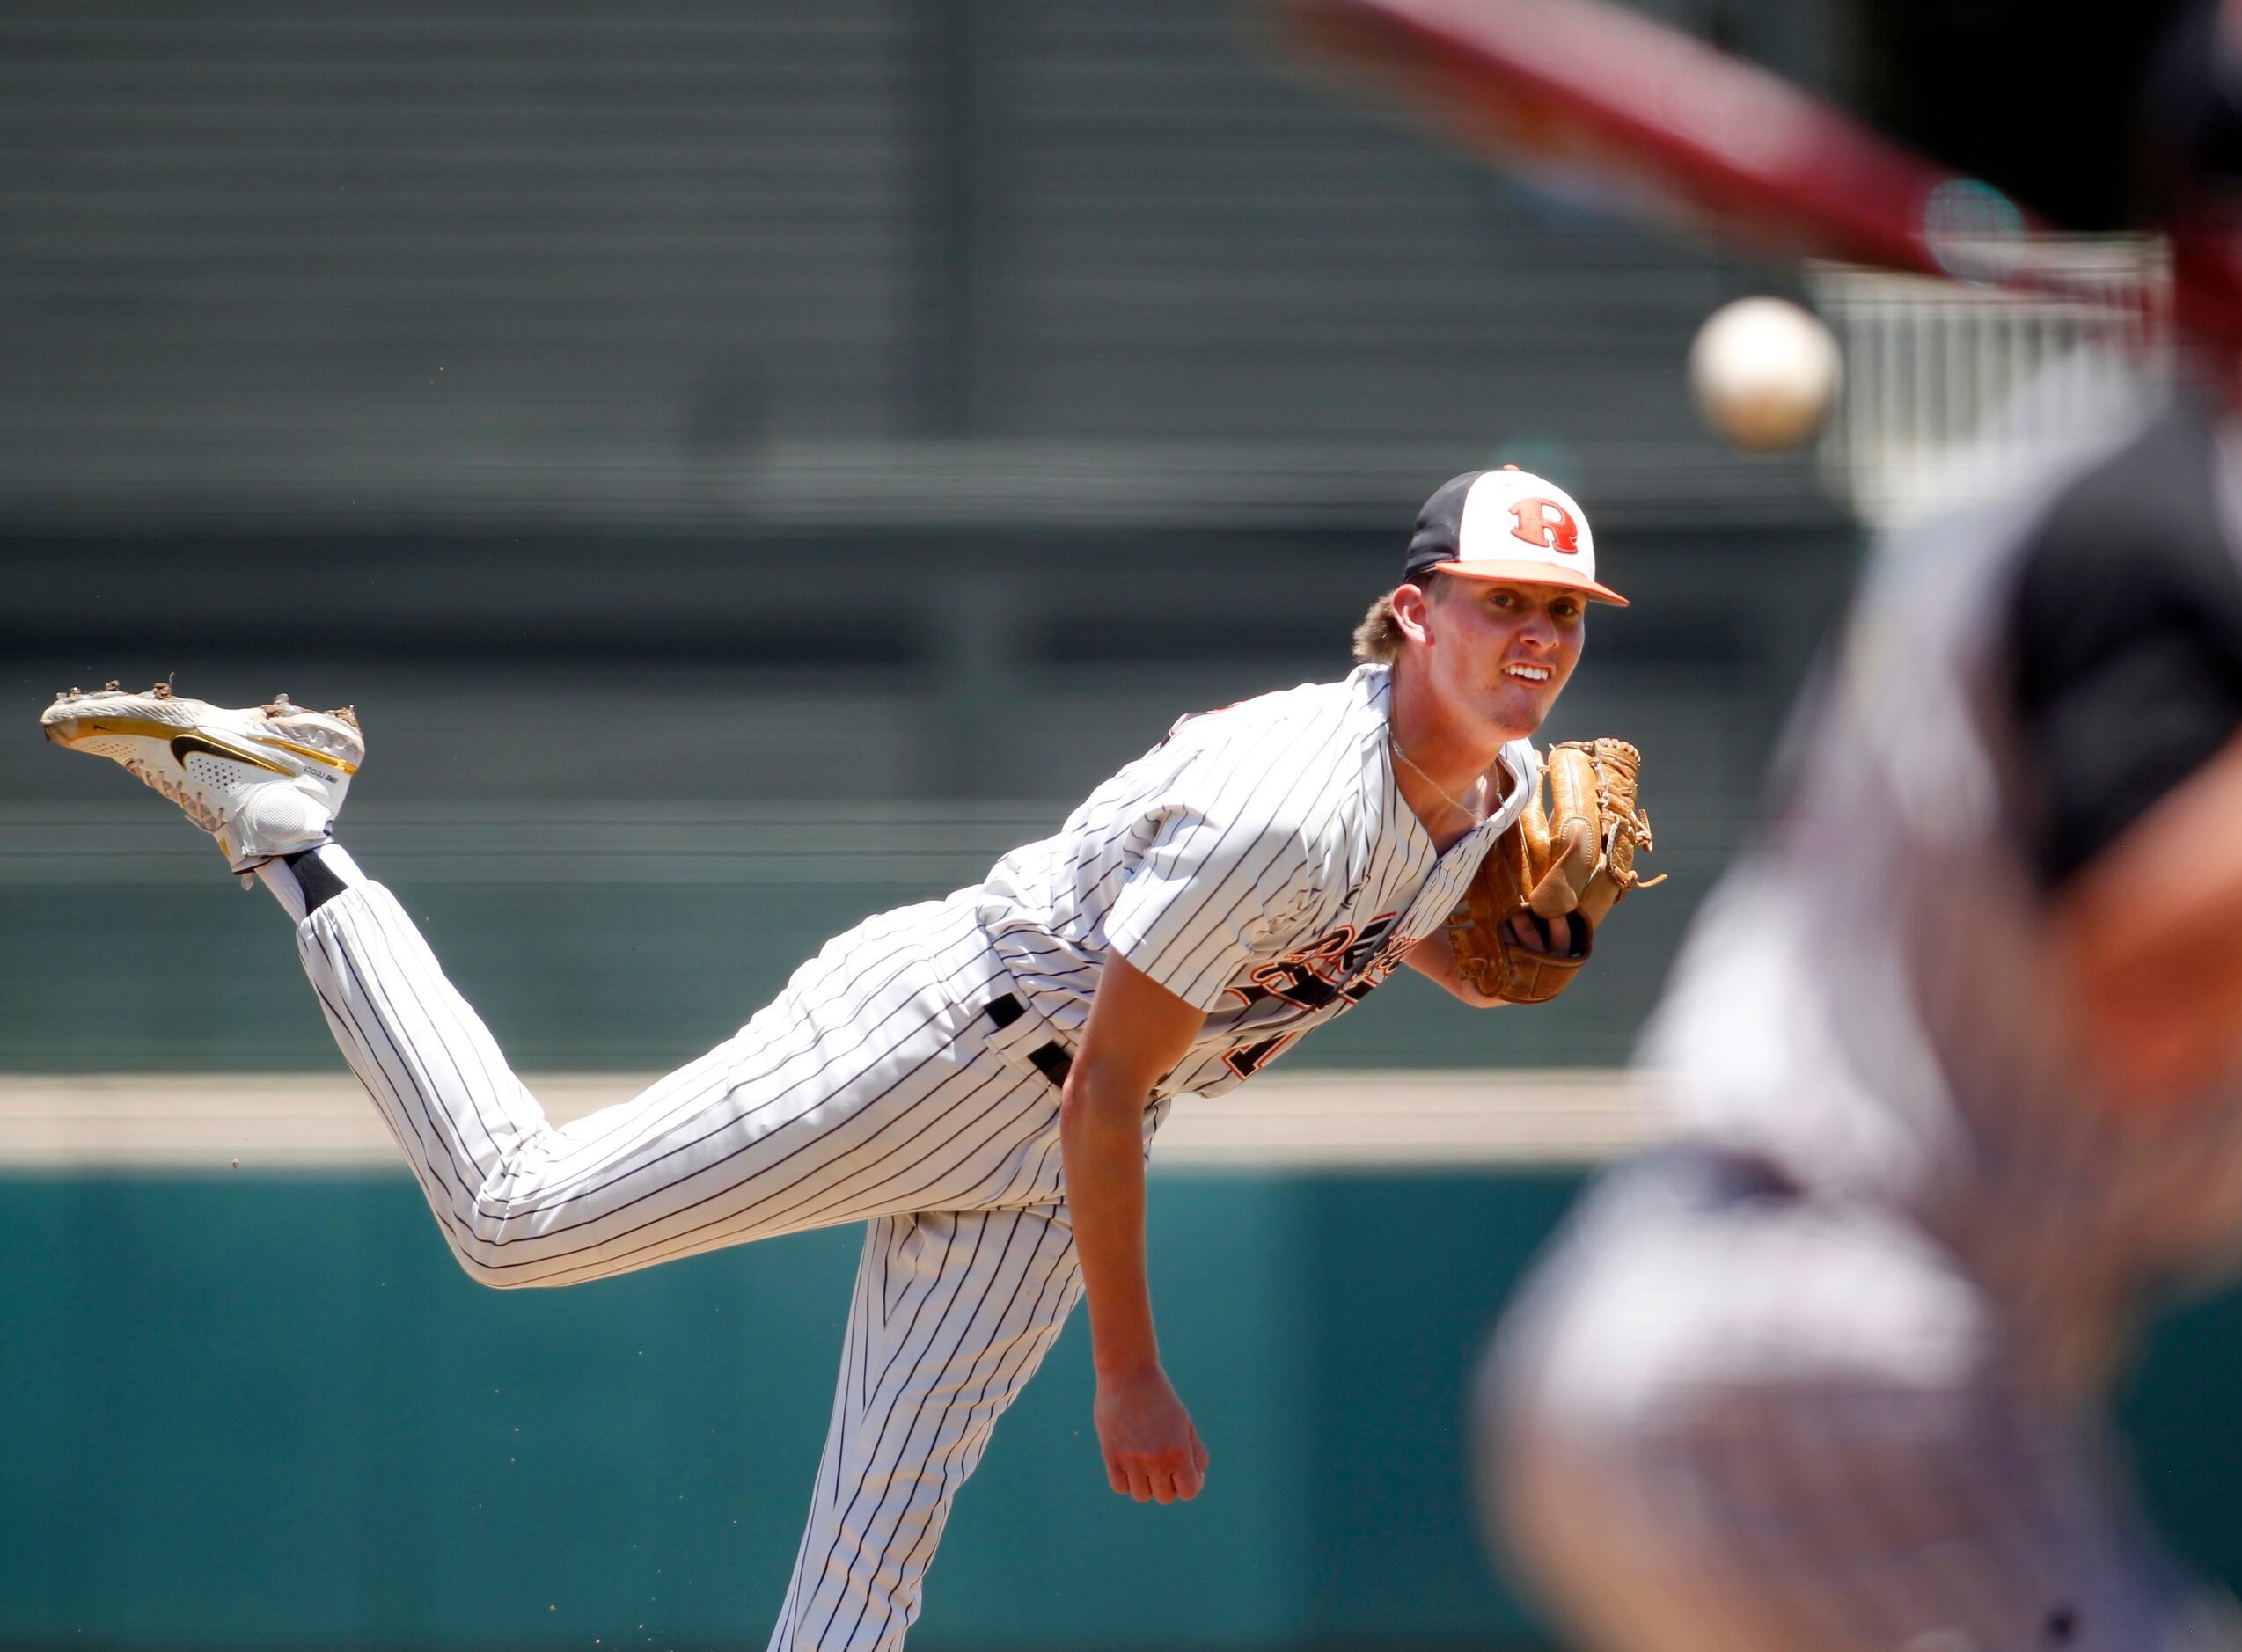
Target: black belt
1051,1059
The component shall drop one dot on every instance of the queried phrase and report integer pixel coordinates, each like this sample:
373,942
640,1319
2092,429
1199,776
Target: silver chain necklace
1471,814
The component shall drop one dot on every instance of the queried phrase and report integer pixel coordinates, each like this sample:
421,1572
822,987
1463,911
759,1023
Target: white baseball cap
1507,524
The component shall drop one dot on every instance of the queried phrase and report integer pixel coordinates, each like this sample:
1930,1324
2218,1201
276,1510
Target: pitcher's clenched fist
1152,1451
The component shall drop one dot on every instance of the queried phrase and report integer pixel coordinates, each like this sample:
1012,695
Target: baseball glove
1575,859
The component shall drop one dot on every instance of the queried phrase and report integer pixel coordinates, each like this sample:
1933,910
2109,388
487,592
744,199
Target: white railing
1954,390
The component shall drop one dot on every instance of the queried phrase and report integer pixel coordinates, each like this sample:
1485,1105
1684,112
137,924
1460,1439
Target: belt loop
1053,1061
1050,1058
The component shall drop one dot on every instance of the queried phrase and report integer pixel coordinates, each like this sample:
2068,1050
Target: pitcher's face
1497,652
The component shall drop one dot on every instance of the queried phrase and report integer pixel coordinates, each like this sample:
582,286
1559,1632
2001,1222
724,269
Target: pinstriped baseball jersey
1259,863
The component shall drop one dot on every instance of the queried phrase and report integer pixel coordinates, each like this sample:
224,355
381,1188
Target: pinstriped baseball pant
872,1089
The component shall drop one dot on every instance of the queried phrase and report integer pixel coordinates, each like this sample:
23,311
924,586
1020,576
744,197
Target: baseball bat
1594,97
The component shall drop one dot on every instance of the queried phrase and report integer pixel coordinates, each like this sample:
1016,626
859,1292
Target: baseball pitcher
978,1078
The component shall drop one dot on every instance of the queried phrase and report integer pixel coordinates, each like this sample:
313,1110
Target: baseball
1765,373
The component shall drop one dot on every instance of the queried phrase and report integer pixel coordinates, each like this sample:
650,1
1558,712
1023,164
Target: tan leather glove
1575,859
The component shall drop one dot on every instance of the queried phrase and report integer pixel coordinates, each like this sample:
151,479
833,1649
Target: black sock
317,880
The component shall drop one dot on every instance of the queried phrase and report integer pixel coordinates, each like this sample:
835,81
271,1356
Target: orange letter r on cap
1545,524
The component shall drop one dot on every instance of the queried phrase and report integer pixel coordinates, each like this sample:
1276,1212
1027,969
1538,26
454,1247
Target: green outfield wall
260,1412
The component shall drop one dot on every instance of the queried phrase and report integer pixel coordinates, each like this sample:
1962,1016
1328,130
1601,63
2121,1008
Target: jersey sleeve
1208,898
2125,646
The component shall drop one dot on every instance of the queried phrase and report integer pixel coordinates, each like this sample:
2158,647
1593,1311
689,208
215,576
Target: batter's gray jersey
1867,1002
1824,1373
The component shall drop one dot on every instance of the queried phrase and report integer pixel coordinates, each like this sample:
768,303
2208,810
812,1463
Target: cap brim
1532,573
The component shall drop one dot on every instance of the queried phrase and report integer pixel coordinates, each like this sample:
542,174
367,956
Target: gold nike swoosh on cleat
145,727
312,752
182,744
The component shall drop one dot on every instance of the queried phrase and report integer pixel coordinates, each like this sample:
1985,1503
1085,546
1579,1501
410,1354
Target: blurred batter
1954,1057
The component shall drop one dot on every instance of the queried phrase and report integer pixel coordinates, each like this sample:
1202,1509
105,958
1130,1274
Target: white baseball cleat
264,782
